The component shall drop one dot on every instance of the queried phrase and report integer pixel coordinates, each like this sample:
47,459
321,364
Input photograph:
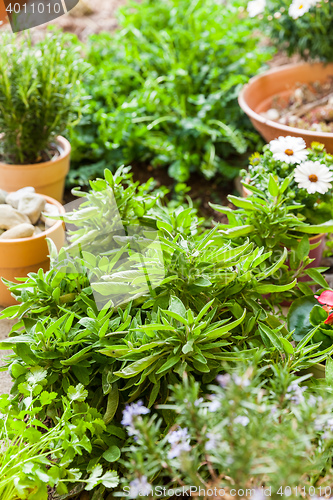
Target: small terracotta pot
258,96
315,253
47,178
3,14
26,255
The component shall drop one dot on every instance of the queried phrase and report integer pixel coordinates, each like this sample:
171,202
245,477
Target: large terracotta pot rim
48,231
285,129
64,149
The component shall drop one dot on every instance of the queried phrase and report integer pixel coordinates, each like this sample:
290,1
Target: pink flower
329,320
326,298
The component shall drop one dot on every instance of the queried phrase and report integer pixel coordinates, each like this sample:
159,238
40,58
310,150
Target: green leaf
242,202
109,479
37,374
177,306
324,228
287,346
203,311
299,316
317,277
235,232
137,367
188,347
176,316
77,393
273,186
303,248
217,332
170,362
112,406
263,289
154,393
317,315
329,371
76,358
275,340
112,454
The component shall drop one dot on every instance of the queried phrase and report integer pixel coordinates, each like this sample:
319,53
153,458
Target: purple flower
198,402
131,411
241,381
329,424
242,420
223,380
178,449
139,487
179,441
257,495
295,393
212,441
273,410
176,436
214,405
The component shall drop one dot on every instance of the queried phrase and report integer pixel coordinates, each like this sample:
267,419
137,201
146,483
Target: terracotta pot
47,178
258,95
318,370
22,256
3,14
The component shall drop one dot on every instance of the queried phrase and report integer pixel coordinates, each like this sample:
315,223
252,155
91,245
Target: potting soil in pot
23,214
308,107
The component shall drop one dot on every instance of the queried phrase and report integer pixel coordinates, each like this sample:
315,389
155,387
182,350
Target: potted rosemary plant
39,99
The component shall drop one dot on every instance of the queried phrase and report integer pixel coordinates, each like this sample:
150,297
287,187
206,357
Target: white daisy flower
256,7
314,177
289,149
299,7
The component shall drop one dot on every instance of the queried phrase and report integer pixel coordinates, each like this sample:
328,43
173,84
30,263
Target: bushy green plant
35,457
139,348
298,27
237,438
164,90
207,308
270,220
39,94
315,206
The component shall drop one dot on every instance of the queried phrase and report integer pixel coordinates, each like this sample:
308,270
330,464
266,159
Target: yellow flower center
300,7
313,178
289,152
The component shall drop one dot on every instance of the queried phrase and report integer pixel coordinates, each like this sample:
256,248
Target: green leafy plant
164,90
234,439
268,219
316,207
35,456
139,348
206,309
299,28
40,94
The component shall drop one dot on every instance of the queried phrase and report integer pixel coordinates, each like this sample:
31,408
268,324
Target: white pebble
14,198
